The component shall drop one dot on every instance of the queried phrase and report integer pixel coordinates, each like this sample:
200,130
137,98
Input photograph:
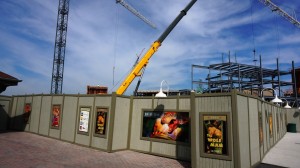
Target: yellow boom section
139,66
154,47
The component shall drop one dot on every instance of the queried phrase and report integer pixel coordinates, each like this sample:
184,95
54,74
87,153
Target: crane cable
277,36
115,43
253,40
114,83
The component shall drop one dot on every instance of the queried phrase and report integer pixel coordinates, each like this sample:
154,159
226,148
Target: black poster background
101,121
215,134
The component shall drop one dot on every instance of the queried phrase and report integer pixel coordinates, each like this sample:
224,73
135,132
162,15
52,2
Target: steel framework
60,47
249,79
231,75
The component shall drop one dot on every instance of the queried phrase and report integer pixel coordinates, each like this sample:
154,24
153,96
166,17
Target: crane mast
281,12
60,47
153,48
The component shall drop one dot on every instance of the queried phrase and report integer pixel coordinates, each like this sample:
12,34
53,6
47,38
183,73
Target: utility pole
60,47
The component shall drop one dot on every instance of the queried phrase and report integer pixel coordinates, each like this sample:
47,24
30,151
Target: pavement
286,153
27,150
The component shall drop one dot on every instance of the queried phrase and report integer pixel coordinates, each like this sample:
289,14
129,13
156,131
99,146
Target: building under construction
249,79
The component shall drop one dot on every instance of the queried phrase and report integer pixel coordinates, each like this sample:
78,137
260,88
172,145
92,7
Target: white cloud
103,34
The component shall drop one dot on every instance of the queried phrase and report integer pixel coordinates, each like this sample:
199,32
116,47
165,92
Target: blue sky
102,35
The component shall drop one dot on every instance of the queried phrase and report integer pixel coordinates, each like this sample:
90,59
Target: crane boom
135,12
153,48
281,12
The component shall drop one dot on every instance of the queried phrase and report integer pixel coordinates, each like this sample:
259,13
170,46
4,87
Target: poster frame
89,127
51,116
260,128
165,140
27,114
271,124
105,125
277,120
228,155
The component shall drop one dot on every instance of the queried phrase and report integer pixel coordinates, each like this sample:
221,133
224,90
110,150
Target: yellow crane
153,48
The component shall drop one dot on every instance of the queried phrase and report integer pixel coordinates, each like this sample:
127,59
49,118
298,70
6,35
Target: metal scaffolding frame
251,79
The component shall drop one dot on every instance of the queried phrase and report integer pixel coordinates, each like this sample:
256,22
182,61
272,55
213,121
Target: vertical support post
193,136
239,77
111,121
221,77
261,77
208,81
192,77
278,73
295,84
230,77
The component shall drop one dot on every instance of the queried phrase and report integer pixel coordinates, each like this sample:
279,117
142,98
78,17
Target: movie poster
277,123
215,134
261,137
281,119
166,125
101,114
84,119
270,124
27,111
266,116
55,116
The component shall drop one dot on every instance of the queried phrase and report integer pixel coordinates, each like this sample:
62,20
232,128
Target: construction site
223,77
231,117
249,79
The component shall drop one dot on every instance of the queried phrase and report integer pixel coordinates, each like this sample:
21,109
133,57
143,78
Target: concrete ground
286,152
24,150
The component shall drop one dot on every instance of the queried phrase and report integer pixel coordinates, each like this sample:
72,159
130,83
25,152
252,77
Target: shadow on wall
4,119
17,123
180,146
160,108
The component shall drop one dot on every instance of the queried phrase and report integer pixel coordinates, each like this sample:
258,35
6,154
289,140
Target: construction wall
252,127
249,126
258,126
5,103
155,146
293,117
40,119
120,124
214,105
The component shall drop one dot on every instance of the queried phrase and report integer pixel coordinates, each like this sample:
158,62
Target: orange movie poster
167,125
277,123
215,135
271,124
261,137
55,116
27,111
101,121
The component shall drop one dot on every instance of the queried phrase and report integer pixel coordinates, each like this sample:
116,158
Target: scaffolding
249,79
